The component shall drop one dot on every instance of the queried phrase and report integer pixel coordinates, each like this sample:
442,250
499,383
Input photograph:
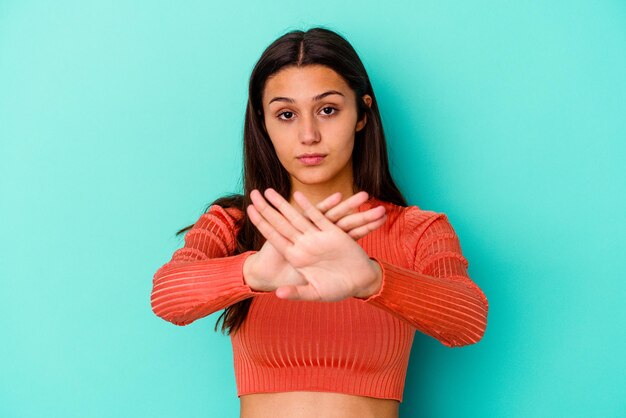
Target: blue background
120,121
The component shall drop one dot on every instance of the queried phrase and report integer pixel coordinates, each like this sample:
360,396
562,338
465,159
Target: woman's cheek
285,158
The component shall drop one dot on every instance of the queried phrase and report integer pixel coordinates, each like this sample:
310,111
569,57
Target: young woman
323,270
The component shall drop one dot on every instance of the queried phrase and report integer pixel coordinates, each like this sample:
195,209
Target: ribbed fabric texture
354,346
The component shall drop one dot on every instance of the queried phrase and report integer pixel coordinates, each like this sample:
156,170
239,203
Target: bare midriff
301,404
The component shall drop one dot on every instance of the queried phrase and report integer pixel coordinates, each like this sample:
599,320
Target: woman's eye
284,113
289,115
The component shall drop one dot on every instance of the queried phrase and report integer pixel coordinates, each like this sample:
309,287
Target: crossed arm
436,295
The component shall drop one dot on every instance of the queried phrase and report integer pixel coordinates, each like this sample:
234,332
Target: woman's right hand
267,269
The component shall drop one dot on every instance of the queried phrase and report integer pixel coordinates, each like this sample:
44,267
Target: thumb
287,292
304,292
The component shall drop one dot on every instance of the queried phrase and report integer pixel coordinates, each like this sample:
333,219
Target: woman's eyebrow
314,98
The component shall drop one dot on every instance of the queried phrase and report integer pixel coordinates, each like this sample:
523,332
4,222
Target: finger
312,212
306,292
360,232
287,292
275,218
330,202
357,219
267,230
345,207
290,215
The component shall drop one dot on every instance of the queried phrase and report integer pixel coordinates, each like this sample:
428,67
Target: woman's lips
311,160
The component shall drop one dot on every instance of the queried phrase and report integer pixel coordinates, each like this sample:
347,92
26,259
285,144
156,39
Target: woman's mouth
311,160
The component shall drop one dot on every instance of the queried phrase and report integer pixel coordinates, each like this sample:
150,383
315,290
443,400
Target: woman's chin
313,178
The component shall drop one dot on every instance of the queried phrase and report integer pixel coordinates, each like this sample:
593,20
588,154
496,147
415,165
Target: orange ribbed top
354,346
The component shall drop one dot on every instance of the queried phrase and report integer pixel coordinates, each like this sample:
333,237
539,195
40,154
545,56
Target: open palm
325,262
332,263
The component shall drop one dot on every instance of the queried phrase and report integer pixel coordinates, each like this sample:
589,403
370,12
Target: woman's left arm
436,295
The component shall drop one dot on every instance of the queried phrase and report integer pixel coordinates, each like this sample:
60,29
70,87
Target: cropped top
357,346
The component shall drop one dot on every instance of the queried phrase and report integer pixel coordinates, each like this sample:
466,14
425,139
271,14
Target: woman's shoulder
219,216
409,211
412,218
227,206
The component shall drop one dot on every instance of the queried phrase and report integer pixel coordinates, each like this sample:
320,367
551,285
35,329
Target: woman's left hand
334,265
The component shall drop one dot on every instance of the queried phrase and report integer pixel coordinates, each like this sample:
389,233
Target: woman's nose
308,130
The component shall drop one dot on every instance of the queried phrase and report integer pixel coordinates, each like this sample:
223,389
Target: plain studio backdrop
120,121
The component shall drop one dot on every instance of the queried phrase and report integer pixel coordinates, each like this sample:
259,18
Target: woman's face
307,110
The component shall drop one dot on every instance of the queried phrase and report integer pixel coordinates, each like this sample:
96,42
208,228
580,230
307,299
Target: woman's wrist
376,283
249,277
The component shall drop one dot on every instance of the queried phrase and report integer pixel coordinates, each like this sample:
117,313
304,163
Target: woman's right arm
203,276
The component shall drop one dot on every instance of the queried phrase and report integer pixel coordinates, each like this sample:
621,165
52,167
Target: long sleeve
436,295
203,276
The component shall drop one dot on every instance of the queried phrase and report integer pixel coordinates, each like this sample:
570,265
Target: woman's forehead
305,85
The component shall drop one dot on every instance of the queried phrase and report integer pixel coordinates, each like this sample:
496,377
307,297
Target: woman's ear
368,102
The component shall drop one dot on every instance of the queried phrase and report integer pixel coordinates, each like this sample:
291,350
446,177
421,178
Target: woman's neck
316,195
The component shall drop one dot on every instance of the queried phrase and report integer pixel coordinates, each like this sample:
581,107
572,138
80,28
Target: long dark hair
261,166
